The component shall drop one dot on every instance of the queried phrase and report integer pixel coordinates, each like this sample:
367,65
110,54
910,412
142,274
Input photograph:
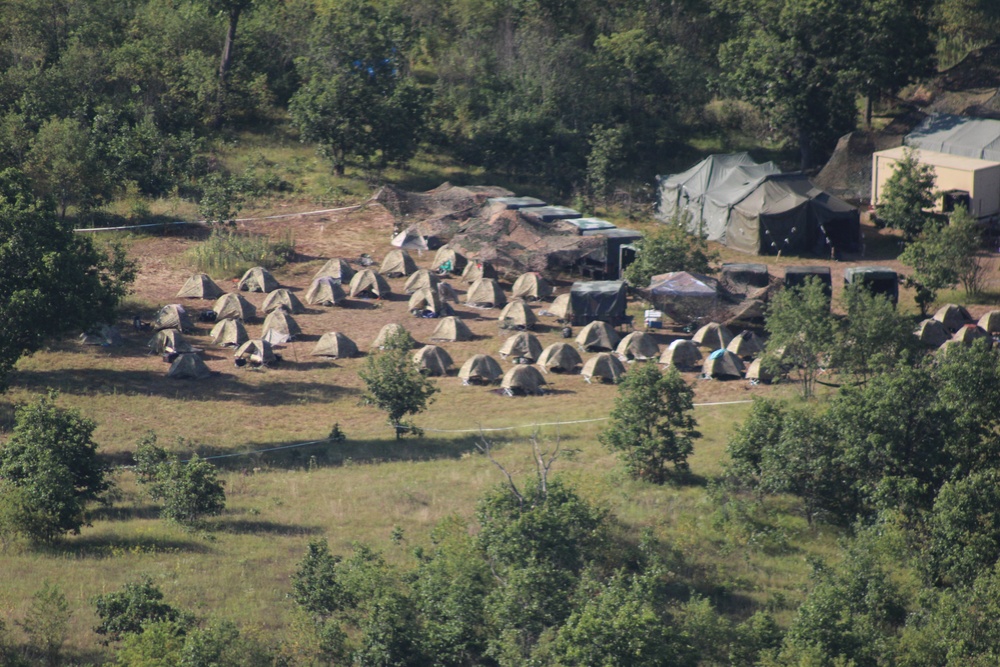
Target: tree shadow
109,546
124,512
254,527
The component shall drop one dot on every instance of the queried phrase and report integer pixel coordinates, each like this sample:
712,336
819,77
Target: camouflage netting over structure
440,212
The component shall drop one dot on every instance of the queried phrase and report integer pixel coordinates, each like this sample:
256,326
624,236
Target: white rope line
205,222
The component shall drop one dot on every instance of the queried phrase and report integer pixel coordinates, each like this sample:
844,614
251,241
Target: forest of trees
103,97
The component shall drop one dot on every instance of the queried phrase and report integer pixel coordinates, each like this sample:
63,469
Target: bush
228,253
125,612
189,490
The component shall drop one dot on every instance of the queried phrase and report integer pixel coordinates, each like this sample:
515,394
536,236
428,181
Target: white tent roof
957,135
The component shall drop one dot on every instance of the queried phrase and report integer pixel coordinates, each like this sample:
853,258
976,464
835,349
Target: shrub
228,253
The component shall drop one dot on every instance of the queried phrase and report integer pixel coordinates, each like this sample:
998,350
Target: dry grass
357,491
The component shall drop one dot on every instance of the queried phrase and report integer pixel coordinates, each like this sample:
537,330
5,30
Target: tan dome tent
446,260
713,335
598,336
258,279
480,369
336,269
424,300
447,292
169,341
234,307
188,366
335,345
280,327
517,315
970,333
757,374
172,316
422,279
104,335
451,329
485,293
953,317
229,332
638,345
932,333
745,345
433,360
560,358
476,270
523,381
282,298
257,352
325,292
682,355
531,286
604,366
561,308
387,332
200,286
948,345
397,263
409,239
990,322
722,364
367,283
521,346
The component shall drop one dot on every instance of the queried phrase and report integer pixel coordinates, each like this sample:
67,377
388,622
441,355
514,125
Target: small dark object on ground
207,316
566,332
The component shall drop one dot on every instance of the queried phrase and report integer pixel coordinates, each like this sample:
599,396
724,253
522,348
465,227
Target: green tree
357,100
963,531
54,281
907,196
669,248
945,255
222,198
10,656
874,336
760,430
802,333
60,164
47,622
190,490
51,469
395,385
128,611
652,423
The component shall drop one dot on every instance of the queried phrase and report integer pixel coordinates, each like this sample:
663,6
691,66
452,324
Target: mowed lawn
359,490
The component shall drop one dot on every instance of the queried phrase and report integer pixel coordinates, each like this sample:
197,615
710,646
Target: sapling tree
395,385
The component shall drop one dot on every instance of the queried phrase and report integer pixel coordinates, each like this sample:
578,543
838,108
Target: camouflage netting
439,212
516,244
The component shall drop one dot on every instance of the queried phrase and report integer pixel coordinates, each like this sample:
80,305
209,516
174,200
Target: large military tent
517,315
560,358
282,298
325,291
523,380
723,364
188,366
451,329
336,345
604,300
531,286
603,366
754,208
598,336
953,317
199,286
258,279
480,369
485,293
368,283
234,307
426,300
638,345
172,316
397,263
446,260
170,341
682,355
433,360
387,332
256,351
280,327
713,336
337,269
522,345
932,333
420,280
477,270
229,332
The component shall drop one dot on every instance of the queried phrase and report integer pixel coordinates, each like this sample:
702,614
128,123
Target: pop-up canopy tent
683,296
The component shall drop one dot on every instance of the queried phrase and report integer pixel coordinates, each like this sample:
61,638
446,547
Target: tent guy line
432,430
204,222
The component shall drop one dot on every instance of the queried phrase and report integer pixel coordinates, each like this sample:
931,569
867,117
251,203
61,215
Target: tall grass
228,253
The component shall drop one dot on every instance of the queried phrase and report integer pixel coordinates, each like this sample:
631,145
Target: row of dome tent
754,208
952,324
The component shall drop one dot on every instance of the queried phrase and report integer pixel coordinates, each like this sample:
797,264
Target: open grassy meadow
363,489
